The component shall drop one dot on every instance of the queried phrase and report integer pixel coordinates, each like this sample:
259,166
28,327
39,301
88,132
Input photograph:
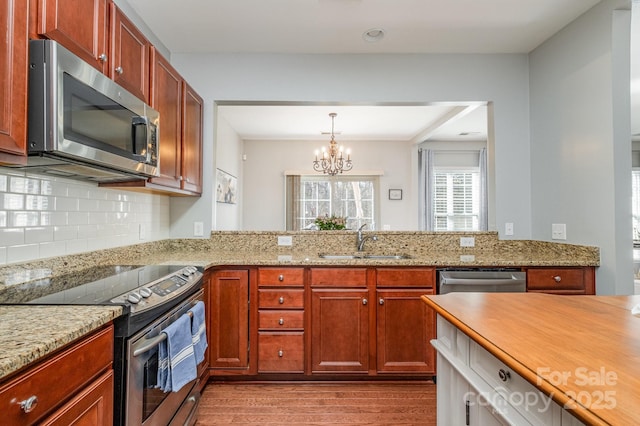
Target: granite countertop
574,338
28,333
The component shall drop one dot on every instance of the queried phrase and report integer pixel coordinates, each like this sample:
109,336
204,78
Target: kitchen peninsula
582,351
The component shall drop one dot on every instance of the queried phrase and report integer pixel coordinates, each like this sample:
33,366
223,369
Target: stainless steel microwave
82,124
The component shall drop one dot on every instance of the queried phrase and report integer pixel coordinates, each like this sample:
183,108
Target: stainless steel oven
152,297
145,403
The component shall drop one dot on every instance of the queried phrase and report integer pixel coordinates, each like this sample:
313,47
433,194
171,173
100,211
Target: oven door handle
150,344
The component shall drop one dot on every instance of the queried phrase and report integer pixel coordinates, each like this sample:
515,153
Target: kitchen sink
363,256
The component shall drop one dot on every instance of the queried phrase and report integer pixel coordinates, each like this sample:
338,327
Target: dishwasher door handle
481,281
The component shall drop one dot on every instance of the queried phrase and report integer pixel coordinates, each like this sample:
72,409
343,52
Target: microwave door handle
139,124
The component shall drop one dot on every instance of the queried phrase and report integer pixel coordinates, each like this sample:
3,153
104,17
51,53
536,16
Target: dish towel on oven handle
176,361
198,331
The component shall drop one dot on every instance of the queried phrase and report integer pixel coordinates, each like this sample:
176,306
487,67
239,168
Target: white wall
229,149
268,160
580,139
367,79
43,217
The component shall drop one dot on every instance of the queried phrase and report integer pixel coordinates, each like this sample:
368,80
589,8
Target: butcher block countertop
588,346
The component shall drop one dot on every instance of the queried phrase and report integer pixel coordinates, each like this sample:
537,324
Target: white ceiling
337,26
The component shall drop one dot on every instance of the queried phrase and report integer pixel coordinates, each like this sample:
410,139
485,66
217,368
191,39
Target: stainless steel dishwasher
482,280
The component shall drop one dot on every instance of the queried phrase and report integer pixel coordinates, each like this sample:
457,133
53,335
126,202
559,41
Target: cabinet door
13,81
166,97
129,55
192,140
405,328
92,406
78,25
340,330
229,310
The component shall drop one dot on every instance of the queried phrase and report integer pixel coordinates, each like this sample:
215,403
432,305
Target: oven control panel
160,291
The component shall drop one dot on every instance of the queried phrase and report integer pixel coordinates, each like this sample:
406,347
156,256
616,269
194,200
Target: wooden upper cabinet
129,64
192,141
79,25
13,81
166,97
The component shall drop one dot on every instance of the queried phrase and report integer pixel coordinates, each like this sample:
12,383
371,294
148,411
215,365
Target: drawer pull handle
280,353
281,300
280,277
29,404
102,58
365,301
119,70
557,278
381,301
504,375
281,321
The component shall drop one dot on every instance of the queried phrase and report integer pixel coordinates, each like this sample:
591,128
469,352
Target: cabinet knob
280,353
365,301
381,301
281,300
103,57
557,278
504,375
280,277
29,404
119,70
281,321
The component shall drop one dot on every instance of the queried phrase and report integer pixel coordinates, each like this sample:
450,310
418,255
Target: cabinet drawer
281,277
280,299
53,381
275,320
402,277
508,383
281,352
339,277
576,280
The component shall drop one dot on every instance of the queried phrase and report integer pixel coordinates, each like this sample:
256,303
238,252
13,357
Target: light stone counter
28,333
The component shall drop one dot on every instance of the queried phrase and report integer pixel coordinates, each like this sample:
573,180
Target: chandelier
332,161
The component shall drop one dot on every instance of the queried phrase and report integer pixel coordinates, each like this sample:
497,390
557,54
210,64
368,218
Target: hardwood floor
318,404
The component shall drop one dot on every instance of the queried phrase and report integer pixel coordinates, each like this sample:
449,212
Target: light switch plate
467,242
198,229
285,240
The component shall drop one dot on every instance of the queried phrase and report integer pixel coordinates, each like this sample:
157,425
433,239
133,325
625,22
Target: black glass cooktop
94,286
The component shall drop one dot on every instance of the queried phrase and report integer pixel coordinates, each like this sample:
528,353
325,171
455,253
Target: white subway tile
3,183
106,206
11,237
78,218
87,231
37,202
17,219
96,244
98,218
23,185
22,253
59,188
41,234
12,202
52,249
62,233
3,255
76,246
54,218
88,205
3,219
77,191
66,204
98,193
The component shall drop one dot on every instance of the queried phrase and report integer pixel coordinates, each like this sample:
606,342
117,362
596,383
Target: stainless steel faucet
363,238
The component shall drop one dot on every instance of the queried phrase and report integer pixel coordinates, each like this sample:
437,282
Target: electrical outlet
467,242
558,231
285,240
142,231
508,228
198,229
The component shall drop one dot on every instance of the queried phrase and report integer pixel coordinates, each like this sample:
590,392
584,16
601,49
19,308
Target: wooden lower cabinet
564,280
281,352
405,327
229,321
74,386
339,330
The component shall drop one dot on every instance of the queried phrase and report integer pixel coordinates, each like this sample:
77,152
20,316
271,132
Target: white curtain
483,219
292,202
425,188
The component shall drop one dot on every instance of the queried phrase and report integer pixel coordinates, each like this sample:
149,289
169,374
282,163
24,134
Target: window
635,209
353,197
452,190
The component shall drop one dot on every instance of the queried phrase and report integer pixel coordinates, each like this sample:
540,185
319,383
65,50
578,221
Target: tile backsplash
42,217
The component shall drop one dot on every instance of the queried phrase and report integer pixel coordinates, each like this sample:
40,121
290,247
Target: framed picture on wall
395,194
226,187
